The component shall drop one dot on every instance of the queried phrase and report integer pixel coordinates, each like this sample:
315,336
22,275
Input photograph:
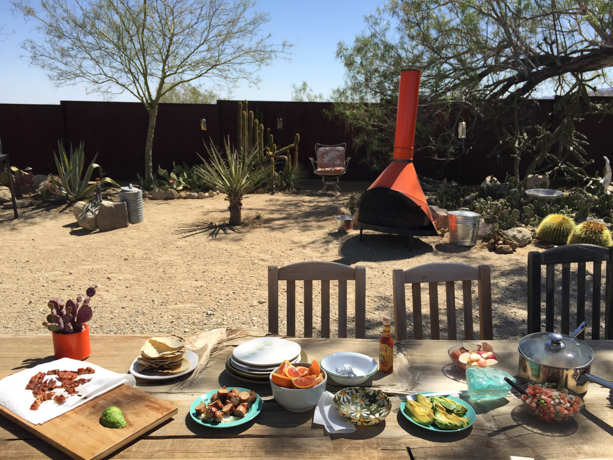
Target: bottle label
386,357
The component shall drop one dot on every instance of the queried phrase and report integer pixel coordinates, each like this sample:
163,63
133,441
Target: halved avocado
450,405
423,400
419,413
447,420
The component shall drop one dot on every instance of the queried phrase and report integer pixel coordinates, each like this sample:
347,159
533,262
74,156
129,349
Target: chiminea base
397,231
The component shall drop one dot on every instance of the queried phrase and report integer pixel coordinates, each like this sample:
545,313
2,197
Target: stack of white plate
256,359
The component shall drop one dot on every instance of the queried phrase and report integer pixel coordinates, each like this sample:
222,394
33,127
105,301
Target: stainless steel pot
556,358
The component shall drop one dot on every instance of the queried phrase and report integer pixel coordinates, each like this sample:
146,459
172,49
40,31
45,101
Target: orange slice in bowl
281,380
284,365
292,372
314,369
318,380
304,382
303,371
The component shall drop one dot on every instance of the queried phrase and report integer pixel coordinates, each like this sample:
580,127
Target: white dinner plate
266,351
257,370
151,374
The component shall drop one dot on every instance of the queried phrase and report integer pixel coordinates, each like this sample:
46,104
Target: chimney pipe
406,117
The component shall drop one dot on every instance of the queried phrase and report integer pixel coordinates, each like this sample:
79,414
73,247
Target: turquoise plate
470,414
254,410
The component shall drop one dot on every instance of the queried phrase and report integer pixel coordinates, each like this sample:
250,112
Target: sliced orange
292,372
284,365
304,382
318,380
303,371
281,380
314,369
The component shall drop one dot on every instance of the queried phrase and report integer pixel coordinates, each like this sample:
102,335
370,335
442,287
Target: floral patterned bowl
362,406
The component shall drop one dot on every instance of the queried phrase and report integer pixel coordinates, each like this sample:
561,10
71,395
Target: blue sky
314,27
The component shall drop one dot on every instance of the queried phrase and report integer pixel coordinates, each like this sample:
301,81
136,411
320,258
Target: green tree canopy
190,94
148,47
482,62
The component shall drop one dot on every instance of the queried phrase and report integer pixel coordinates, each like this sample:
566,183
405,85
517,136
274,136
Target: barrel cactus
591,232
555,228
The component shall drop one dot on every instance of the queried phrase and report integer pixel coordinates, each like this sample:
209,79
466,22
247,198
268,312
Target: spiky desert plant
237,174
69,317
591,232
555,228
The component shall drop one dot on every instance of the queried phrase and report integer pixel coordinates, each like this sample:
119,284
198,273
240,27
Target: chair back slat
565,324
567,256
448,273
435,330
308,308
291,307
273,299
451,316
307,272
467,298
581,295
325,308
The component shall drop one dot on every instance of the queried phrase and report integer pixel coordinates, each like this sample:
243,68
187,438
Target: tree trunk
153,114
235,211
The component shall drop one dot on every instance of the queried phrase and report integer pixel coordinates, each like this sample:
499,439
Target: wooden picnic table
502,428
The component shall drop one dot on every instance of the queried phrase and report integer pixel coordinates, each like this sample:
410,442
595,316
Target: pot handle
578,331
605,383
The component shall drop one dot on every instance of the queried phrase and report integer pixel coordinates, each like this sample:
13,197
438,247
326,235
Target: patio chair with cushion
324,272
447,273
559,277
330,164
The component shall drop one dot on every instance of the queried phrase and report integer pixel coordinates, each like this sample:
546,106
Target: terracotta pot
75,346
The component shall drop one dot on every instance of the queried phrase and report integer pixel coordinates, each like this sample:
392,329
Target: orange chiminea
395,202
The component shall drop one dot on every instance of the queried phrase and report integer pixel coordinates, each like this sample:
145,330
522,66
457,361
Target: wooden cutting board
79,433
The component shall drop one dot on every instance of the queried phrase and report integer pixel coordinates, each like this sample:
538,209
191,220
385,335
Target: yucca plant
237,174
72,184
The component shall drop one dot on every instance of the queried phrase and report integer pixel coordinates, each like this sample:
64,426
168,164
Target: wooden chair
447,273
326,272
564,256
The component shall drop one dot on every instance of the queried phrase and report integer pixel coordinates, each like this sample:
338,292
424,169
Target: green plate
470,414
254,410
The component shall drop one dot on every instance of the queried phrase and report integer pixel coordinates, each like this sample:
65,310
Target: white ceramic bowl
363,366
300,400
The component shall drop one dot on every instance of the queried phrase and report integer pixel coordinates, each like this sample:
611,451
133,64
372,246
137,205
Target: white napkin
327,415
18,400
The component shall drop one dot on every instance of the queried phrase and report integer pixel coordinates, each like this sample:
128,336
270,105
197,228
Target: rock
343,211
191,196
5,195
260,191
519,235
112,216
39,179
469,199
504,249
490,181
537,181
88,221
18,203
439,217
157,194
599,221
212,193
171,194
182,195
202,195
485,229
78,207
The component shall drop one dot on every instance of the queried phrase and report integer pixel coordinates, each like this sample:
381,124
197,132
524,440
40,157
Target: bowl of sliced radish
473,355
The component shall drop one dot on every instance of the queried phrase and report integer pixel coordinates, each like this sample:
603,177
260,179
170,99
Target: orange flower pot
75,346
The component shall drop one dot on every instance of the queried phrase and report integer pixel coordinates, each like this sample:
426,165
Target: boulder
182,195
202,195
260,191
171,194
212,193
504,249
112,216
78,207
191,196
5,195
157,194
39,179
439,217
343,211
88,221
485,229
537,181
521,236
18,203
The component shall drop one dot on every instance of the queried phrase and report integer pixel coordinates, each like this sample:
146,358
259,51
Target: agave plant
237,174
72,185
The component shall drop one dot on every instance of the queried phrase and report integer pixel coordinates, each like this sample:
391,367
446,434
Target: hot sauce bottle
386,348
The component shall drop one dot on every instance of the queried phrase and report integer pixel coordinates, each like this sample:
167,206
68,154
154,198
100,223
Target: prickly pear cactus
555,229
591,232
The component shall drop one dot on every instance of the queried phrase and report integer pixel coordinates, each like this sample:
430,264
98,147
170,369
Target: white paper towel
18,400
327,415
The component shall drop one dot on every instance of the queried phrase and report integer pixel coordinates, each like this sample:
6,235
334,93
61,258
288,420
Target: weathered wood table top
502,428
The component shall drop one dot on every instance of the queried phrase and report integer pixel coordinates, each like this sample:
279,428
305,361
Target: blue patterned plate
470,414
254,410
362,406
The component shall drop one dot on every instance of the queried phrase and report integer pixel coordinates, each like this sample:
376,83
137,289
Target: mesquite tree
148,47
482,62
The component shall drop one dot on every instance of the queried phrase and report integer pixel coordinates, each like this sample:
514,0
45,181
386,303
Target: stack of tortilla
163,354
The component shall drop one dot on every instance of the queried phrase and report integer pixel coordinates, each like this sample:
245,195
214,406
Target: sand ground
181,271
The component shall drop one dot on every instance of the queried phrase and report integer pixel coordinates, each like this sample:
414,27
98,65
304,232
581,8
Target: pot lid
556,350
463,212
130,189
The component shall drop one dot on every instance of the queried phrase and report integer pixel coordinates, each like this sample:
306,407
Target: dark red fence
116,131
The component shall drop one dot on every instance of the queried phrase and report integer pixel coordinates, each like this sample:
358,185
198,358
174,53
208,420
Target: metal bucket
463,227
133,197
344,223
